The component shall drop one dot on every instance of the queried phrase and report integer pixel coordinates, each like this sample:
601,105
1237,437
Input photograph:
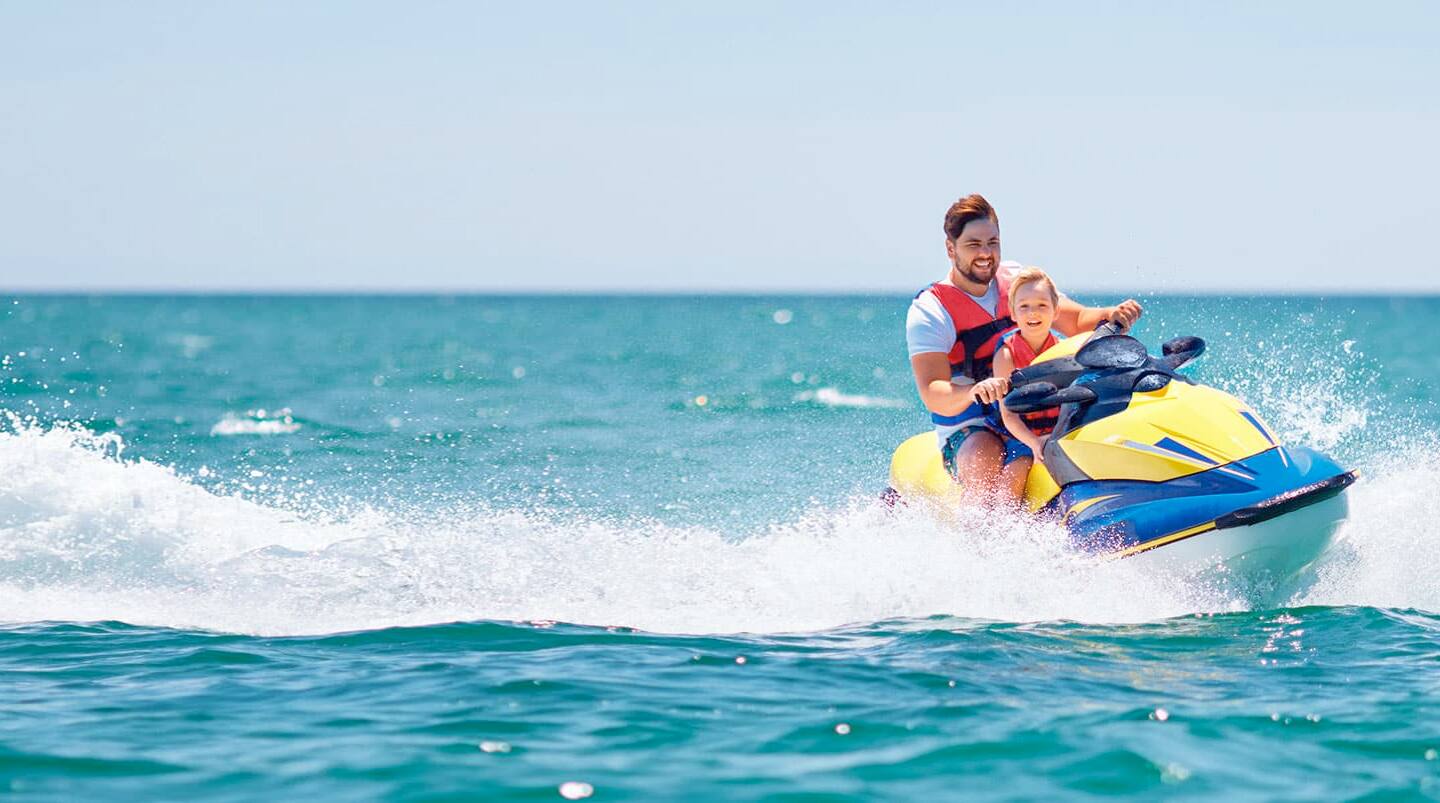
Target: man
951,332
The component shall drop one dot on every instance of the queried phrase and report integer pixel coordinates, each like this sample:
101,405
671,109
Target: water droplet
740,659
495,747
781,316
843,728
1431,755
576,790
1161,714
518,372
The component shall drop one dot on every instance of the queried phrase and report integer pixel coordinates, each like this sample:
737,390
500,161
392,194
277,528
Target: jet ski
1146,465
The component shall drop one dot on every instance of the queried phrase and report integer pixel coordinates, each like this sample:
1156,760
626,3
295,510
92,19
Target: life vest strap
972,340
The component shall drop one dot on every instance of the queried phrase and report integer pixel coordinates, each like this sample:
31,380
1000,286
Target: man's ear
950,248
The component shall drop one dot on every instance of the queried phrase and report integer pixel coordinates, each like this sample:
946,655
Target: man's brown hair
971,207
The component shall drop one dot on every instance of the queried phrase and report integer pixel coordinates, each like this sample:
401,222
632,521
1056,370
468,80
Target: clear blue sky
680,146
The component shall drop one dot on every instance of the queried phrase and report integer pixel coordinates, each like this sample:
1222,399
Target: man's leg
977,465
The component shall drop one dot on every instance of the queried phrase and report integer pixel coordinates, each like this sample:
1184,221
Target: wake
87,534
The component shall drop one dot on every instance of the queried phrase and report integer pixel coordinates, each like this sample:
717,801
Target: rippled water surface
439,548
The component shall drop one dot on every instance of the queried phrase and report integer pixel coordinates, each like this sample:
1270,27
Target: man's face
976,252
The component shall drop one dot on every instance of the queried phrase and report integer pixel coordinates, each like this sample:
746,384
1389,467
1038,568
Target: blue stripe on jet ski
1136,512
1180,448
1256,424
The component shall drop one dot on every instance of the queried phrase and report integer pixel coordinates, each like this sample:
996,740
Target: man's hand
991,390
1072,319
1126,313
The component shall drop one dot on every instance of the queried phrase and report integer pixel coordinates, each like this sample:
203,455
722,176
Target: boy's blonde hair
1032,275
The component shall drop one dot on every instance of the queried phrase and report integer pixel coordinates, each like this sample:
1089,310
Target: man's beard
969,273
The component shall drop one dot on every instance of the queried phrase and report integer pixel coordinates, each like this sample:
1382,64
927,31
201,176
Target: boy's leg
1013,477
1018,460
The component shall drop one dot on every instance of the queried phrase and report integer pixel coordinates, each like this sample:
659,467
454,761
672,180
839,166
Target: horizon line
663,292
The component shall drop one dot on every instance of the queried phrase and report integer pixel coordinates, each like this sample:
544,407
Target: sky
659,147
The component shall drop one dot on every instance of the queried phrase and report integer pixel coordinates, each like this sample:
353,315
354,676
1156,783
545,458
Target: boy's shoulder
1003,353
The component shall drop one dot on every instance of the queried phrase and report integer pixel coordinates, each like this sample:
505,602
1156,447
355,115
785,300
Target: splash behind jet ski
1145,464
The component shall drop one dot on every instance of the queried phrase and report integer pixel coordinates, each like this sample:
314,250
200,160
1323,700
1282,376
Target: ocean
629,547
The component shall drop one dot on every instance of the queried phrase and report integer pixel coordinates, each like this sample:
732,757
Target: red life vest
977,330
1040,422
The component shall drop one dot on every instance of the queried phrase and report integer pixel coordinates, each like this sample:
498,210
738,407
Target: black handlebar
1110,361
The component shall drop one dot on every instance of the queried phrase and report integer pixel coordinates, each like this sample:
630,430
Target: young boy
1033,302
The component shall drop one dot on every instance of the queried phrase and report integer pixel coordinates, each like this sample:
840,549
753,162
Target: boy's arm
1022,433
1004,364
1004,367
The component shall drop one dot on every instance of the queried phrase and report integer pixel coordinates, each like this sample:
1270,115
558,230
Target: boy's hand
1039,448
991,390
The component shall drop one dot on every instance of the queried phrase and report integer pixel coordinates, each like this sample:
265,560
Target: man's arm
1072,319
932,378
940,395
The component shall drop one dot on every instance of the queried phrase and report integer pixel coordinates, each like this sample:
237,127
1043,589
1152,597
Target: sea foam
89,534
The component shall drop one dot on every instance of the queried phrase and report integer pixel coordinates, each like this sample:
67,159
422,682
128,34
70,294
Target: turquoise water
482,547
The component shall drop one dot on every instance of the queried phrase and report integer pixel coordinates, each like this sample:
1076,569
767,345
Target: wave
256,422
87,534
833,397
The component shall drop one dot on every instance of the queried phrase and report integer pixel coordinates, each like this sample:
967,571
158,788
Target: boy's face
1034,311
